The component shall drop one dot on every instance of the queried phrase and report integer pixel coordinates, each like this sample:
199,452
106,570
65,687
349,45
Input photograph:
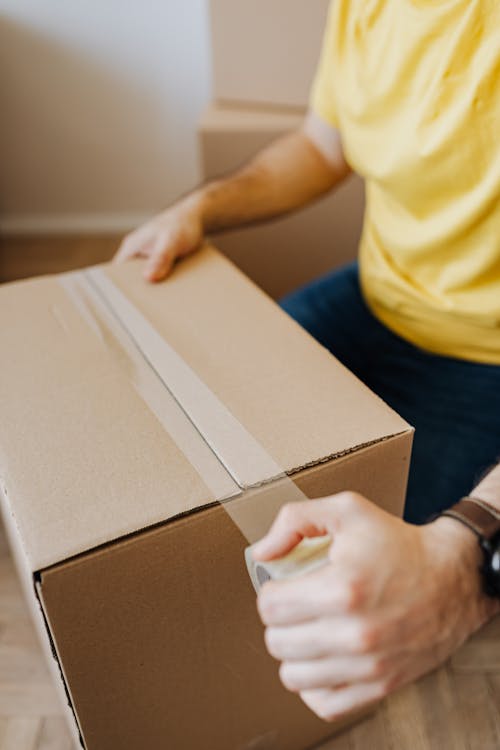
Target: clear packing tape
307,556
203,428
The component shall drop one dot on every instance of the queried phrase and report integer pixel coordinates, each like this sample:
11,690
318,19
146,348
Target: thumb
305,519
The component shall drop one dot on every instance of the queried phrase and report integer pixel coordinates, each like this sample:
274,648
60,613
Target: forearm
285,176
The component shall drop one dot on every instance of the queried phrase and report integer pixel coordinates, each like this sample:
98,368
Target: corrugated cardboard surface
259,362
108,473
266,51
283,254
94,462
165,624
81,458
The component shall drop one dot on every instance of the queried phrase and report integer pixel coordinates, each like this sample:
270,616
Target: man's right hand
168,236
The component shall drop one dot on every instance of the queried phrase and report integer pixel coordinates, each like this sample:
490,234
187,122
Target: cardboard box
266,51
147,435
280,255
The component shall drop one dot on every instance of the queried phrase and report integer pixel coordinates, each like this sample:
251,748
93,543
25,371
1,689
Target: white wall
99,101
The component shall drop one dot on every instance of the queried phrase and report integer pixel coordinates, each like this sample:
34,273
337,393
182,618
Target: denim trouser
453,404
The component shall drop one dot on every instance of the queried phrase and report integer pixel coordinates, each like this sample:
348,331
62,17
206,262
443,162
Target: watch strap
479,516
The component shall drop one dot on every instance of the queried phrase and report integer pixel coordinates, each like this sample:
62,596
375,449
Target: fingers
305,519
334,636
156,247
329,673
147,242
161,261
325,592
330,705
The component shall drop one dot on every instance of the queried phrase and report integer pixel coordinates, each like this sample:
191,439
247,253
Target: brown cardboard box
147,435
266,51
280,255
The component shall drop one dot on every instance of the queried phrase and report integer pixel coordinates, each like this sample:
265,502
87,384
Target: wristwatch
484,520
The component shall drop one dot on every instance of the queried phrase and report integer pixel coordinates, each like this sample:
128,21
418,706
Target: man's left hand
393,602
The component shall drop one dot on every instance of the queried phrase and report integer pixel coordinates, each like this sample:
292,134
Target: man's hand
286,175
172,234
394,601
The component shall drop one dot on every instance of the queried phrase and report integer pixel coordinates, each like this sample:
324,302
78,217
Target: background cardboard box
284,254
266,51
149,408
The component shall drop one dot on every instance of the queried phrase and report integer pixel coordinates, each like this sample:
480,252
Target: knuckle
357,594
398,624
367,639
127,246
287,513
161,249
378,669
354,594
347,500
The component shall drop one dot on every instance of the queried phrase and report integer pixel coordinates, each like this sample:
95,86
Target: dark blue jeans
453,404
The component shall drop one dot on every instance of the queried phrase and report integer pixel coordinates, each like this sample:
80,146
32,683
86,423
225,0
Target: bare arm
285,176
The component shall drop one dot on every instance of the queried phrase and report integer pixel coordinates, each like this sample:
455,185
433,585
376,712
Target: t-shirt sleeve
321,98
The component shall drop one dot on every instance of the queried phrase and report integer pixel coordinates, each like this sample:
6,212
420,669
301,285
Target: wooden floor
30,715
456,708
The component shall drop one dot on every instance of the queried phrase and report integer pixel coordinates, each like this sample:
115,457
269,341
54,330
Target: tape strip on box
202,427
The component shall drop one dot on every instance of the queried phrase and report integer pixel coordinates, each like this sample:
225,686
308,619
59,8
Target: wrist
199,205
190,207
462,558
455,536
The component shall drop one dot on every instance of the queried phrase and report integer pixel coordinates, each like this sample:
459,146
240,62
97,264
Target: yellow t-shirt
414,88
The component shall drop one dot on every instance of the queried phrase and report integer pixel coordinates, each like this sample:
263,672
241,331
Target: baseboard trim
87,224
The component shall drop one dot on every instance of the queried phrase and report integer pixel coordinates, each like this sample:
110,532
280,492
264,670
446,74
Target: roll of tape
307,556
